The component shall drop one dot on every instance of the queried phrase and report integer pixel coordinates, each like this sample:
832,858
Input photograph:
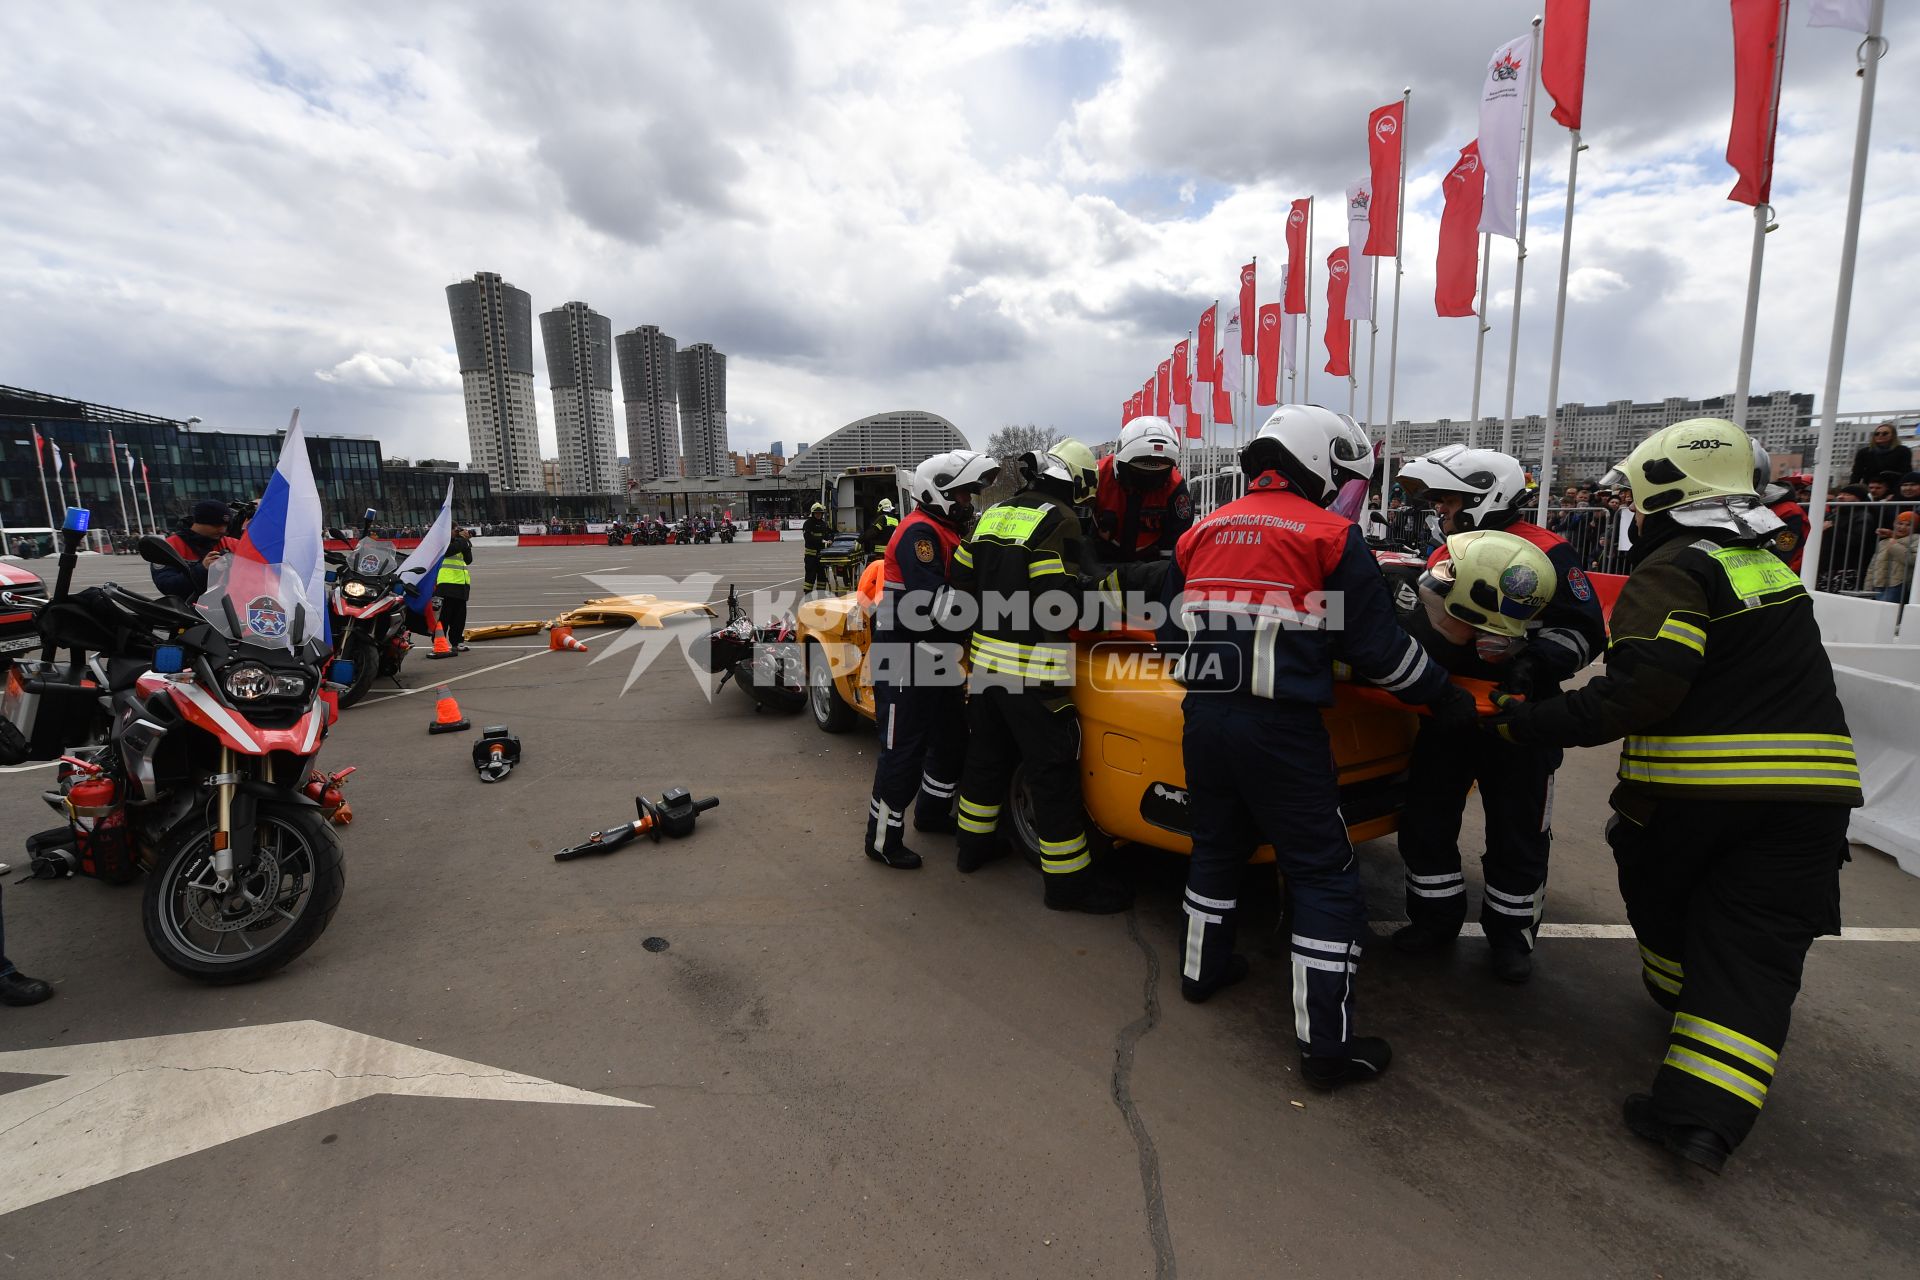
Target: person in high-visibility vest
453,586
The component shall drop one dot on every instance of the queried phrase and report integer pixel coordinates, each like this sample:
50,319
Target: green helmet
1493,581
1068,461
1689,461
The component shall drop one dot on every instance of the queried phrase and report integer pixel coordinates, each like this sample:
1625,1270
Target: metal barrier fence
1868,549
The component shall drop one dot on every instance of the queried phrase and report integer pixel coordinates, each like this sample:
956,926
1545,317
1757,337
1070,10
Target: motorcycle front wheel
280,904
366,665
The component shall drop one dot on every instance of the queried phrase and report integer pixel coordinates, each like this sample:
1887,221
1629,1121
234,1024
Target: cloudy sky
999,212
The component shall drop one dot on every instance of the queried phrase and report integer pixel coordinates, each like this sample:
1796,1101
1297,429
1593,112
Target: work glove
1505,722
1454,709
1524,676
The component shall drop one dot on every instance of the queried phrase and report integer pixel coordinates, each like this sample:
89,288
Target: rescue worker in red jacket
1141,506
919,685
200,539
1263,597
1790,544
1477,489
1737,775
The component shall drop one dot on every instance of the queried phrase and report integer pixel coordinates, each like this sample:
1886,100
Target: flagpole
40,474
1393,342
1520,243
1249,326
1306,367
147,485
1872,50
1559,326
113,459
1480,343
1762,223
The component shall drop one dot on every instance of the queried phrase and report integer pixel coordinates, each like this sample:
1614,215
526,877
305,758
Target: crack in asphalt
1124,1045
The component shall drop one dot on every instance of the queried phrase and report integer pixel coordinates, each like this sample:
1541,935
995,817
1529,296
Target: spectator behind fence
1892,568
1883,452
1848,545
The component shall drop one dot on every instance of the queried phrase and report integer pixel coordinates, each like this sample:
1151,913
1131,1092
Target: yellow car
1132,777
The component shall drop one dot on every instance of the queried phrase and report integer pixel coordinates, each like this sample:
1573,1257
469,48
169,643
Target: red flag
1563,59
1222,401
1182,374
39,454
1385,151
1162,390
1338,338
1756,38
1247,307
1206,353
1266,374
1295,302
1459,263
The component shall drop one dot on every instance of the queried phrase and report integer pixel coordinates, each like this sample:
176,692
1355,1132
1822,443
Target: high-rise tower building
653,421
700,378
579,342
493,336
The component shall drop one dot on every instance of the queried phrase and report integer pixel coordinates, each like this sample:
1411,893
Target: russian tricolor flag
286,530
421,569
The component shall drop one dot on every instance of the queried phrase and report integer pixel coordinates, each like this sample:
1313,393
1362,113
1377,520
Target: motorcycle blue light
341,672
78,518
169,659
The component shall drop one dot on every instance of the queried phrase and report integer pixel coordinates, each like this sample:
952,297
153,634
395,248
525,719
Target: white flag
1232,375
1503,110
1853,15
1359,265
1287,327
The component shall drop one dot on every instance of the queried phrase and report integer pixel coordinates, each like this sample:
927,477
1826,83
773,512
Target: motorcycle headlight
248,682
355,589
289,686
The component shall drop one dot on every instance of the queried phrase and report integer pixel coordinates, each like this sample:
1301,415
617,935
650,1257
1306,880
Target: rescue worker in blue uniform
919,684
1479,489
1263,597
1025,576
1736,777
1141,506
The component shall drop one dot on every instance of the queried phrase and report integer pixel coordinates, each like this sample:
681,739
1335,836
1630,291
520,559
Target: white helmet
886,506
1317,449
1147,442
938,481
1492,485
1769,489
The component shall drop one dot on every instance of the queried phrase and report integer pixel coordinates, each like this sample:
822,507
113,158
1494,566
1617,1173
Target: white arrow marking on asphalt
127,1105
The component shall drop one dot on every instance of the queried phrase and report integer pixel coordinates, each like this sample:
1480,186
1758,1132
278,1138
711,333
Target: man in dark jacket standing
814,535
200,539
1736,777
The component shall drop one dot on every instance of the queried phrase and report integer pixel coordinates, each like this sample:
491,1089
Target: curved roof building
901,438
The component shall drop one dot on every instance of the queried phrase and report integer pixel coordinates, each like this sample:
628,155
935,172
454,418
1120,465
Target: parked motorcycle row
658,533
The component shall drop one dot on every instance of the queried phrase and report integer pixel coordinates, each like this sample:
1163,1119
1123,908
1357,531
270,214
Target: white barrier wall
1877,669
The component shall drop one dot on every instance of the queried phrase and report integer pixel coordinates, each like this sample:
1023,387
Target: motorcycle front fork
224,783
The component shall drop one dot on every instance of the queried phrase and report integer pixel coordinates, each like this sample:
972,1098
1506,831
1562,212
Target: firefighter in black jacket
814,535
1020,577
1736,777
880,532
919,687
1478,489
1250,599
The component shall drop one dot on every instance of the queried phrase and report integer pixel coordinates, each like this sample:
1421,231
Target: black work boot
16,988
1233,971
1365,1058
1692,1142
1087,890
884,844
934,821
1512,964
1425,935
977,851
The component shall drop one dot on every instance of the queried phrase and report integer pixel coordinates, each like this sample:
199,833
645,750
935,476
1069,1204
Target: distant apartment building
700,379
579,343
493,338
647,360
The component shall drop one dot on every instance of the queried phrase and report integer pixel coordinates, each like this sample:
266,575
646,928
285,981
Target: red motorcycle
369,614
200,725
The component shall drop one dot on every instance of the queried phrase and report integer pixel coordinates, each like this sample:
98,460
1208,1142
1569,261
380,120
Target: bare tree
1006,445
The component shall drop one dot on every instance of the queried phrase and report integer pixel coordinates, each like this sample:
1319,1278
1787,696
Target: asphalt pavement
852,1071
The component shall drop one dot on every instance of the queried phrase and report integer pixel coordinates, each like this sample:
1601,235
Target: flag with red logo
1163,388
1385,153
1503,103
1459,261
1182,374
1149,407
1359,265
1266,357
1247,307
1756,42
1338,337
1293,297
1563,58
1207,353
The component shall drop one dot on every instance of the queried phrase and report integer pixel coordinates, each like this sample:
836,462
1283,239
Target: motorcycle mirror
155,549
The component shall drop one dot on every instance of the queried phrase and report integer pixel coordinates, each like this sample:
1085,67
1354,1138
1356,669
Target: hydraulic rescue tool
673,814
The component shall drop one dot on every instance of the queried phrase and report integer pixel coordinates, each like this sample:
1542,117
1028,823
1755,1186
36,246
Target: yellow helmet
1493,581
1687,462
1068,461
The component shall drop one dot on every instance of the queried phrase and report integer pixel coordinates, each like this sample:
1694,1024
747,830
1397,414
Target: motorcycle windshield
250,602
374,558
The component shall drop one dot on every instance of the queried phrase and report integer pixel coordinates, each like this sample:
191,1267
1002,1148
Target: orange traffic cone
446,714
561,638
442,647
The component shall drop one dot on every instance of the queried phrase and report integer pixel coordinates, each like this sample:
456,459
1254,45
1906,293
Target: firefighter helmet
1493,581
1068,462
1691,461
1491,485
1147,443
945,477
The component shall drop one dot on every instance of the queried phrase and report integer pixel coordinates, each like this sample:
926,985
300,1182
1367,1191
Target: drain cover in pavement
655,944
